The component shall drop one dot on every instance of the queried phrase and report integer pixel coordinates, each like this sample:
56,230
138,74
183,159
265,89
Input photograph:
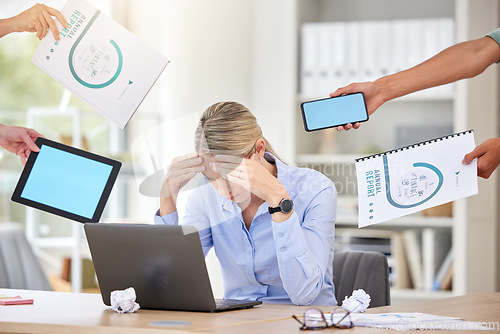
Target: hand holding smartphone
334,111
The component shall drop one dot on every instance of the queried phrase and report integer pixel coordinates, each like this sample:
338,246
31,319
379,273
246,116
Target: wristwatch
286,206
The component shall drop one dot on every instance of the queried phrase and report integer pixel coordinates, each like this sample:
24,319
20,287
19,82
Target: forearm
167,206
461,61
6,27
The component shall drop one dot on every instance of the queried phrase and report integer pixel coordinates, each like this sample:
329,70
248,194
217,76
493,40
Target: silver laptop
164,264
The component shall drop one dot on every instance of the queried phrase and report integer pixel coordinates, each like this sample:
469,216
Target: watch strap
274,210
279,208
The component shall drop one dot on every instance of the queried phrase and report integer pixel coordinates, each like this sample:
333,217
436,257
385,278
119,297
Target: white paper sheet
413,321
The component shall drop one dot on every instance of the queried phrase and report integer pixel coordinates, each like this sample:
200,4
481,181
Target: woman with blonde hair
271,224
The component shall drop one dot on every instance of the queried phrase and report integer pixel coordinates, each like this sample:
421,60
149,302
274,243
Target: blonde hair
229,127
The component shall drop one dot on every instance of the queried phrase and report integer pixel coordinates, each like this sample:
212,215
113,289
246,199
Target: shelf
328,158
423,96
405,222
56,242
420,96
445,106
414,294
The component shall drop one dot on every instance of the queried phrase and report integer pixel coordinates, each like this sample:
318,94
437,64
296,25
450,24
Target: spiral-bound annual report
406,180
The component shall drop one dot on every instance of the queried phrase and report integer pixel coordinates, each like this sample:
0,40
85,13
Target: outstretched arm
460,61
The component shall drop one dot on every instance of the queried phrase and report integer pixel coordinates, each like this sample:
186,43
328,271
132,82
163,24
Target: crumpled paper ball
358,302
123,301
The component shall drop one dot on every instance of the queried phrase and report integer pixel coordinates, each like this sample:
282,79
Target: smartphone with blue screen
334,111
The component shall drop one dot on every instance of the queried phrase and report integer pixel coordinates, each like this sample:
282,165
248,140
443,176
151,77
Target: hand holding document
100,61
413,178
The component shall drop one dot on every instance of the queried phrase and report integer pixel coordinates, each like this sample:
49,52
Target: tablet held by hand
66,181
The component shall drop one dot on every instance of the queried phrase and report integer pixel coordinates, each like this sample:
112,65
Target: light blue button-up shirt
287,262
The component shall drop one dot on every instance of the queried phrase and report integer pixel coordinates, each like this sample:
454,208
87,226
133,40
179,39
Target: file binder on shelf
309,59
335,54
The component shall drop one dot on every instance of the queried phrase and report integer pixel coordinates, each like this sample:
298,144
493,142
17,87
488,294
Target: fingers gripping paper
100,61
413,178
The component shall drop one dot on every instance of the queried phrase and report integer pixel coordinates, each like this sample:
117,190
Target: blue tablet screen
66,181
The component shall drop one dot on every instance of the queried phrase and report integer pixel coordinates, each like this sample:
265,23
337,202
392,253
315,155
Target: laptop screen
66,181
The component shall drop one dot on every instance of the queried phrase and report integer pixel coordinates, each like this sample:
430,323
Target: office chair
362,270
19,266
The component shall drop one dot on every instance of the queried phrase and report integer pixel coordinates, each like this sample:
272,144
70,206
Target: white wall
477,104
209,45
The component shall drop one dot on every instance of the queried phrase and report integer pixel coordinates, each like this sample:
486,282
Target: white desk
63,312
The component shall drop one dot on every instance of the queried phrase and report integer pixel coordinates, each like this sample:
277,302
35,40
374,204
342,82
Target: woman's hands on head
181,170
233,176
250,174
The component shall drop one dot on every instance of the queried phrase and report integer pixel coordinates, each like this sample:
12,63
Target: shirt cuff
170,219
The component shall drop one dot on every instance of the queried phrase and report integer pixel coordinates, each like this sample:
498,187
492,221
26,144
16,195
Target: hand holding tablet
66,181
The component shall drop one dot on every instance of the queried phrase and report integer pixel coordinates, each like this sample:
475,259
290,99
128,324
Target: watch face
286,206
